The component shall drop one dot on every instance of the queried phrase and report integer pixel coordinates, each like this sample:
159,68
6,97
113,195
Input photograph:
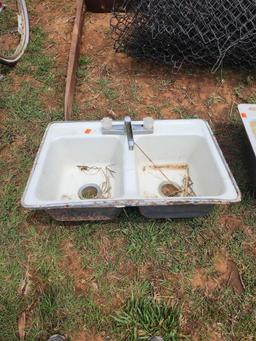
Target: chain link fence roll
212,33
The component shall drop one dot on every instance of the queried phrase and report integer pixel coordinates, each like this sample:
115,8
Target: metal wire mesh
201,32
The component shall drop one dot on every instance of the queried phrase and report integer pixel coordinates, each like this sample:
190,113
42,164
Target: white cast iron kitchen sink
169,169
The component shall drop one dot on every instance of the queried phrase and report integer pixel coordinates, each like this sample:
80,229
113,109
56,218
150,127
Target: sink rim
124,201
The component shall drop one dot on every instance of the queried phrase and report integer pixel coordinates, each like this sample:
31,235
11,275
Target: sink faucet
127,128
129,132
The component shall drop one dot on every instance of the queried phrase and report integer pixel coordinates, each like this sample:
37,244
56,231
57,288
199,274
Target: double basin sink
176,171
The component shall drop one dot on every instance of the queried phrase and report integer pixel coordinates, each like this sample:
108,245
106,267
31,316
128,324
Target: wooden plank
73,59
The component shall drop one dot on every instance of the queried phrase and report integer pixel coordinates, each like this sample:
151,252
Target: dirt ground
141,88
159,91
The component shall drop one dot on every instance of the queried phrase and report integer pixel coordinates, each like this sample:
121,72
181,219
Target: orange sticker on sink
244,115
88,131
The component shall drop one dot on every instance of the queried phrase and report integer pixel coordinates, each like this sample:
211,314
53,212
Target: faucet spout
129,132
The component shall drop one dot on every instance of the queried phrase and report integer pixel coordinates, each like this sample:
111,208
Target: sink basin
248,116
81,174
71,163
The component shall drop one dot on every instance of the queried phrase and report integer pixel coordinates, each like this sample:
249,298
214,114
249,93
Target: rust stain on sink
168,180
174,166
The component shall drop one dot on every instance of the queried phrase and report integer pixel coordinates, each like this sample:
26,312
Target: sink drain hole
90,191
169,189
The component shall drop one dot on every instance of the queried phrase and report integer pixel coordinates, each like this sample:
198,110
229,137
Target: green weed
144,317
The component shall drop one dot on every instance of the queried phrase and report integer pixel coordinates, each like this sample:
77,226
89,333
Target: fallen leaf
235,279
25,284
22,326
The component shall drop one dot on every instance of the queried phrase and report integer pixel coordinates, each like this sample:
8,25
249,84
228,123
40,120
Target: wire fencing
213,33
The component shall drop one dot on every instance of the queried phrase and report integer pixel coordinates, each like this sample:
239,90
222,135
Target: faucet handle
106,123
148,122
127,119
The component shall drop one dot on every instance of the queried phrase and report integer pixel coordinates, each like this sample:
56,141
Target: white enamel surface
249,121
62,175
55,179
195,151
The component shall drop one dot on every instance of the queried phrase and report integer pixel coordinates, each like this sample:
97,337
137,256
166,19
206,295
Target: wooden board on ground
73,59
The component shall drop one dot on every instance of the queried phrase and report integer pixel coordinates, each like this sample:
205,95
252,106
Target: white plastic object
106,123
248,115
148,122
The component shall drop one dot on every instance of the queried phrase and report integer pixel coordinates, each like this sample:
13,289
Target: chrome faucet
129,132
127,128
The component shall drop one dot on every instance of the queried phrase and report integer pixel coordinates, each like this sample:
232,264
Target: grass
144,317
82,71
9,23
165,84
108,91
183,113
136,266
213,99
134,89
142,238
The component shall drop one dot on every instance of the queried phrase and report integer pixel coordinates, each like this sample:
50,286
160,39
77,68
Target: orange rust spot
169,166
244,115
88,131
